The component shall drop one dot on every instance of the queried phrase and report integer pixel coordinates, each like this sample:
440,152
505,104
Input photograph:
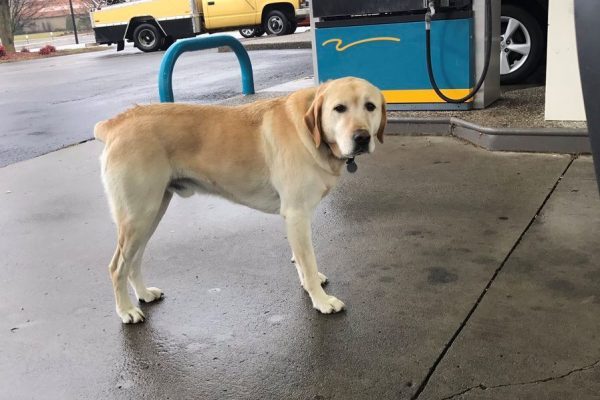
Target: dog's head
347,114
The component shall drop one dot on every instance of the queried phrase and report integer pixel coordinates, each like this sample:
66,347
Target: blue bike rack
165,75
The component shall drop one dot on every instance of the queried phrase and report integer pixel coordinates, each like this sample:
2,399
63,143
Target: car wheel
277,23
147,38
522,44
258,31
247,32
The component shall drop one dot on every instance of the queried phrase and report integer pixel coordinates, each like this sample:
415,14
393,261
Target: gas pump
422,54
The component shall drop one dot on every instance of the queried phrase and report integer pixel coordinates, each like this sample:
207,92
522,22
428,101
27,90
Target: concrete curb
532,140
538,140
271,46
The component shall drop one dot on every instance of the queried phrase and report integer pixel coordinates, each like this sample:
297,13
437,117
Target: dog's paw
131,315
151,294
323,279
328,305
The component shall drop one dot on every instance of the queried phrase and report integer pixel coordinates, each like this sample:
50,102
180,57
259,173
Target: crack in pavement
481,386
483,293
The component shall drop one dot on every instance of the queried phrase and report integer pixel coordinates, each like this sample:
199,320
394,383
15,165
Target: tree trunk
6,33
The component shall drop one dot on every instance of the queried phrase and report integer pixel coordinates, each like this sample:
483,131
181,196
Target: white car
523,39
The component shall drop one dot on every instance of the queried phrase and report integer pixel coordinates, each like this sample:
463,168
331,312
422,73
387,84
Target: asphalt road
52,103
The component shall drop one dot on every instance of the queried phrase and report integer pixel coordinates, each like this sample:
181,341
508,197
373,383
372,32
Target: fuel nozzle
430,13
432,4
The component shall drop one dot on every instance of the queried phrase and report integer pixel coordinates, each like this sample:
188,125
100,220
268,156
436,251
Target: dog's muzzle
361,138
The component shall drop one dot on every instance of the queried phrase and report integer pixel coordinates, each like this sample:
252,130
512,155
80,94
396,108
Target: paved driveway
52,103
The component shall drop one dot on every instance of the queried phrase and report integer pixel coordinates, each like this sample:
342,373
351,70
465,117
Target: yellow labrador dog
278,156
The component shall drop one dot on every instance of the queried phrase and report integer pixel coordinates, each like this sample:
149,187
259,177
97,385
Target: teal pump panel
390,52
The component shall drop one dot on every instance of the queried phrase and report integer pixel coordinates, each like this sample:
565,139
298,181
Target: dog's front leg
299,236
322,277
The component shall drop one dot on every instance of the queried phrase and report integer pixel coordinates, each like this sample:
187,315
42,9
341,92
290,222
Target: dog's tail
100,131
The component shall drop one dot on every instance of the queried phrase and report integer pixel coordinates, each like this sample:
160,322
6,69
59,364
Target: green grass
42,35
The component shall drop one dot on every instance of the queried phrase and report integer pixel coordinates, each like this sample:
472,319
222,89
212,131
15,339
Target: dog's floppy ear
312,118
383,120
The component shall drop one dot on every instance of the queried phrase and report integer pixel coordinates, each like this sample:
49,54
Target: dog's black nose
362,138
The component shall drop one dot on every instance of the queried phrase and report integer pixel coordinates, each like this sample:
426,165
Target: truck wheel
147,38
293,26
167,42
277,23
248,32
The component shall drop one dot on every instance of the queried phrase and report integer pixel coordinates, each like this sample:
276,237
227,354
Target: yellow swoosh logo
339,46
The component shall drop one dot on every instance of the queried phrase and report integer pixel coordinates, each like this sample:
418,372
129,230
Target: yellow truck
154,24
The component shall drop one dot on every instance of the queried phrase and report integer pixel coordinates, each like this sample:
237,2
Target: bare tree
6,34
13,15
91,3
22,11
100,3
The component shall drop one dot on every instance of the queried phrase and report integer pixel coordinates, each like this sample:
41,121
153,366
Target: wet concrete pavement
52,103
537,331
409,243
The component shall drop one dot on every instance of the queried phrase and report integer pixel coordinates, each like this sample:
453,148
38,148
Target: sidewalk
66,42
411,243
534,336
299,40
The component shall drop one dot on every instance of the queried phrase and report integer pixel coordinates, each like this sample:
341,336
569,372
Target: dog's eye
340,108
370,106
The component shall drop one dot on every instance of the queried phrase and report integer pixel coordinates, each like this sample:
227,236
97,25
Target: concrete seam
51,151
534,382
448,345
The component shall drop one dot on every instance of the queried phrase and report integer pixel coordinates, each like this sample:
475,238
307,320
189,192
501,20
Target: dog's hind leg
134,231
143,293
125,309
137,202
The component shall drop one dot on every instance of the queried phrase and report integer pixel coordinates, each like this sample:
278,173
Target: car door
225,13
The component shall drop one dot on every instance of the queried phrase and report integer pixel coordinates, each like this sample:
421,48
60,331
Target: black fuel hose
488,51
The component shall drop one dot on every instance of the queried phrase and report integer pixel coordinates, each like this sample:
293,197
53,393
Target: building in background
55,15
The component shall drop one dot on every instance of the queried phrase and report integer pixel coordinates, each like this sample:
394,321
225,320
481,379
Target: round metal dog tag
351,165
